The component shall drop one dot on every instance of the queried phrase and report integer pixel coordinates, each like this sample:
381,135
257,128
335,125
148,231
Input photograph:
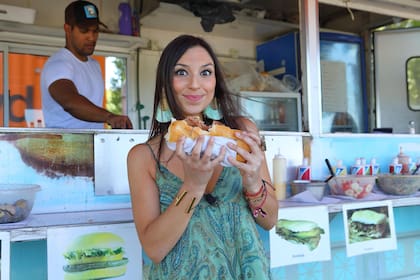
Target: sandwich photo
300,232
367,225
95,256
192,128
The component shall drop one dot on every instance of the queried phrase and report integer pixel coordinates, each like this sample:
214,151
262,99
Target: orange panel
24,84
25,87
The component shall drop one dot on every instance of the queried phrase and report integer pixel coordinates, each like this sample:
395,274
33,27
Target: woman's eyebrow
208,64
185,65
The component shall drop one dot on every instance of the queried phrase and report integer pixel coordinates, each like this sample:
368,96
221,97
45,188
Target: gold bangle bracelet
188,210
179,198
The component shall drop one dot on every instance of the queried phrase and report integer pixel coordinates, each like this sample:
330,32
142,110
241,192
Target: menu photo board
300,235
4,255
94,252
369,227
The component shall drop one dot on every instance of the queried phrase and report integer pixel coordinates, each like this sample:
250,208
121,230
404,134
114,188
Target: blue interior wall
383,148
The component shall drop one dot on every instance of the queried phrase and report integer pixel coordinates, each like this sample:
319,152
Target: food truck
322,79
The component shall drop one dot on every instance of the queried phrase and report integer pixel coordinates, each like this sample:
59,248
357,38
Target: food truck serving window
23,92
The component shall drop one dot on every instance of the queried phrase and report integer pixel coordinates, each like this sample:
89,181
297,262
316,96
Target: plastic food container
16,201
399,184
317,188
357,186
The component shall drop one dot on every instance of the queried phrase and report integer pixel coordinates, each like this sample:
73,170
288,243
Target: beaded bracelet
263,193
256,211
258,199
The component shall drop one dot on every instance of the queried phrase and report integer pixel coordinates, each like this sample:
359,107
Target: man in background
71,80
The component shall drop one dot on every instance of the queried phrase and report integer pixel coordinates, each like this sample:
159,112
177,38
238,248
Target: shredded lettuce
80,255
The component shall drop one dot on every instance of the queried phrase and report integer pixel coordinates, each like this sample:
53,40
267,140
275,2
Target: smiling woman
194,83
187,191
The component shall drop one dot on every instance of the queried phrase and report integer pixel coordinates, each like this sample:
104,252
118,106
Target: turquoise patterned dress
220,242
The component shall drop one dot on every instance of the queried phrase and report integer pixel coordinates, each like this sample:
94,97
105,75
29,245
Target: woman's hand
251,168
198,166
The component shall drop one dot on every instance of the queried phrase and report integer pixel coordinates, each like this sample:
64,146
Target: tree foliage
408,23
114,95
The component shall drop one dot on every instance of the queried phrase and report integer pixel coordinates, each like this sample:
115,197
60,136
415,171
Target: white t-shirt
87,77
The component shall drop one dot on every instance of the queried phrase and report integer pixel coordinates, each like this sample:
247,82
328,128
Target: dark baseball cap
82,13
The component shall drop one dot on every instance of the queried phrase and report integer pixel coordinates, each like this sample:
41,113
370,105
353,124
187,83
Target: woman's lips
193,98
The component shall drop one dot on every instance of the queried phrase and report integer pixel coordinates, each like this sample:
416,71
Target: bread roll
179,128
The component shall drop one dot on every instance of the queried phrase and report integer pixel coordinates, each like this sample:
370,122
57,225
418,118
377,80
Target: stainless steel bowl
317,188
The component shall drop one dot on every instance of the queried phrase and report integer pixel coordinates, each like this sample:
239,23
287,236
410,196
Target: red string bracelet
256,211
250,195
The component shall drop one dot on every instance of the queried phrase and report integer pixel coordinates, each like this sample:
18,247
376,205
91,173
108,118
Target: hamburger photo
367,224
300,232
95,256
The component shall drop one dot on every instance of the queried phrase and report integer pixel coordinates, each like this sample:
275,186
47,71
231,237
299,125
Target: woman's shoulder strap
152,152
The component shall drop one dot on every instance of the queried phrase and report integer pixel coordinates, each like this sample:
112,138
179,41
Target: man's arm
65,93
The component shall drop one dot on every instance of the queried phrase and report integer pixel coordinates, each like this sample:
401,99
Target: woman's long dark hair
164,77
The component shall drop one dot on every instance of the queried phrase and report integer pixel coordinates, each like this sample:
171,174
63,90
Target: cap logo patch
90,12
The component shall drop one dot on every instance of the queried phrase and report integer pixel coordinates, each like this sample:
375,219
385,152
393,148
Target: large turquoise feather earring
163,113
212,111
